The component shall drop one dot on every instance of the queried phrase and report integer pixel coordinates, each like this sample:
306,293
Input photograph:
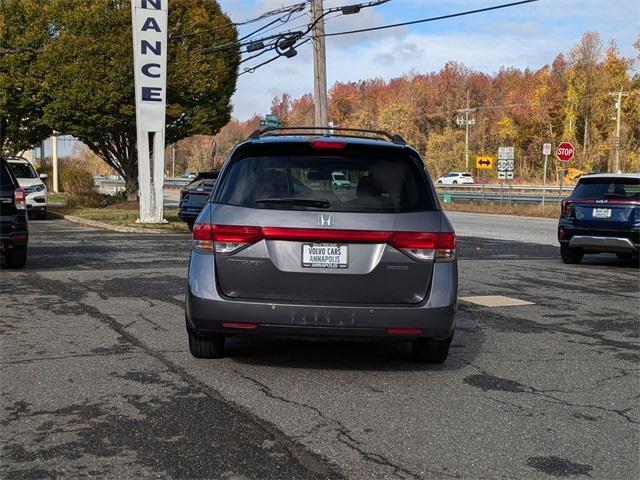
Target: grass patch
550,210
122,217
57,198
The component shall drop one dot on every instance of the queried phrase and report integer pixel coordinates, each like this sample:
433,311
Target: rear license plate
325,255
601,213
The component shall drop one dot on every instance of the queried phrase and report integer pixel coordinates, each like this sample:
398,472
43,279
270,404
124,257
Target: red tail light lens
203,237
566,208
231,238
20,199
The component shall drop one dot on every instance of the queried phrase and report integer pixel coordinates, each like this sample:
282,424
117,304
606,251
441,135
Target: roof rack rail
328,131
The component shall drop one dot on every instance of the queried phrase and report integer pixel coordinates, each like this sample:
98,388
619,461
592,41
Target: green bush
114,198
75,180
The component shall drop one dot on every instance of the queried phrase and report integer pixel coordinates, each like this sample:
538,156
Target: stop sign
564,151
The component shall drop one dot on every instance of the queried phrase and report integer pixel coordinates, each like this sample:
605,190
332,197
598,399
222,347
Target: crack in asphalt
311,462
343,435
346,437
544,394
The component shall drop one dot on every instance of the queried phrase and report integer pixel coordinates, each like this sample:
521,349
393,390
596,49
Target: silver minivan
277,251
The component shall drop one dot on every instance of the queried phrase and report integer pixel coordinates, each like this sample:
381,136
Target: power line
431,19
291,9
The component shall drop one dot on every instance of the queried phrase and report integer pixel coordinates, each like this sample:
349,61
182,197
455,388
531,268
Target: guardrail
494,193
455,193
496,186
116,184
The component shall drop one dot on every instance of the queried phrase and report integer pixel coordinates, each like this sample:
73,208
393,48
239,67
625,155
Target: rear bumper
189,215
599,240
207,310
603,244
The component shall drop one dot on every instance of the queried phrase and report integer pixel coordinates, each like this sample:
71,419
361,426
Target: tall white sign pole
149,20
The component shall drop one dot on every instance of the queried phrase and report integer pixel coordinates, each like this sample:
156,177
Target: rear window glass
23,170
327,183
205,183
6,183
607,188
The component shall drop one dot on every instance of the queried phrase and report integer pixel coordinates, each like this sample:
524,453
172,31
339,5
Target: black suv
14,227
602,215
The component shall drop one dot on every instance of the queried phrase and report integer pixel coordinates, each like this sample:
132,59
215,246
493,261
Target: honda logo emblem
326,219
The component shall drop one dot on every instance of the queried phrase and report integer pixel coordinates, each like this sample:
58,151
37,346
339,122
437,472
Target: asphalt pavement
97,381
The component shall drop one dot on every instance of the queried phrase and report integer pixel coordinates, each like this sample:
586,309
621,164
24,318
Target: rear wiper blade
305,202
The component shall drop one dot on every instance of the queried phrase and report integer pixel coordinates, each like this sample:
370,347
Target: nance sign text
150,61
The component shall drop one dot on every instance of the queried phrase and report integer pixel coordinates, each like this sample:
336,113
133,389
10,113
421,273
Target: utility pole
466,121
618,106
319,65
173,160
54,160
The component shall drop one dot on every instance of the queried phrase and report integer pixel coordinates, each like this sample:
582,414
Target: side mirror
43,176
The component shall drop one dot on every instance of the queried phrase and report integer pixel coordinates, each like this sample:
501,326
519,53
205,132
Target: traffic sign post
484,163
546,150
564,152
506,165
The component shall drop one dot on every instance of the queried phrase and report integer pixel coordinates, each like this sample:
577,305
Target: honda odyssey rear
279,251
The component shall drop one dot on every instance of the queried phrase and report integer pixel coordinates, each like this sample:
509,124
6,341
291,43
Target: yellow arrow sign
484,163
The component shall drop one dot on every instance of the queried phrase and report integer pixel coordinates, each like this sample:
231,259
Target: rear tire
570,255
455,182
43,214
427,350
16,257
206,347
439,182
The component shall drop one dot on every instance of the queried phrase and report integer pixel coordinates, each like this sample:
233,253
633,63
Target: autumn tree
88,75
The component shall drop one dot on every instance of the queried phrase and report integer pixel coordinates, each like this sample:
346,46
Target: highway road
97,381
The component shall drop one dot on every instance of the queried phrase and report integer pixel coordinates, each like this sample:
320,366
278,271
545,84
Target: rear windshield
607,188
6,183
205,183
309,183
23,170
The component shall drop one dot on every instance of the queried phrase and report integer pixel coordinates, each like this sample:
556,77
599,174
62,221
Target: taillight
20,199
566,208
230,238
426,246
203,237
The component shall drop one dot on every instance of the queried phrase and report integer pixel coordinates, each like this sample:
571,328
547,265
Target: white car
339,181
454,178
34,188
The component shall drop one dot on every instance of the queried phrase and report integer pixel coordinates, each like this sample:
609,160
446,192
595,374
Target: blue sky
528,35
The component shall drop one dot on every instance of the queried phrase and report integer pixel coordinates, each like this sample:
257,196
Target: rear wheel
206,347
439,182
43,214
16,257
427,350
455,182
571,255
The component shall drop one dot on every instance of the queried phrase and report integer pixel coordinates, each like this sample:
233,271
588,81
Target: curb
107,226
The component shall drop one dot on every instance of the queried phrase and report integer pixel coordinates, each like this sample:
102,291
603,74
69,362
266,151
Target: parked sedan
454,178
602,215
194,196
